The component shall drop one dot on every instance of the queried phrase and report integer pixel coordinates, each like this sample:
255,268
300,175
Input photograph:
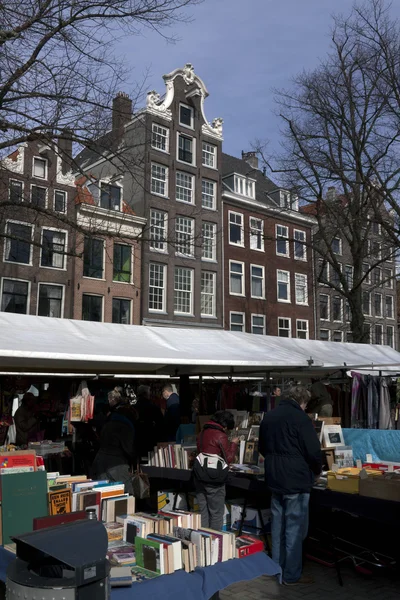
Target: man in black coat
293,459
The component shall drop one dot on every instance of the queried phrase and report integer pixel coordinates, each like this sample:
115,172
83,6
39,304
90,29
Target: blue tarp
384,445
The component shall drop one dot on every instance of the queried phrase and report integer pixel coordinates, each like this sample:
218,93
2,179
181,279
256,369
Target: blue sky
242,49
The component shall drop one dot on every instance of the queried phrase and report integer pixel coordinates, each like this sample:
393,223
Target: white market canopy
30,344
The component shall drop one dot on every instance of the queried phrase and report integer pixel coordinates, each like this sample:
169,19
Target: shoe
304,580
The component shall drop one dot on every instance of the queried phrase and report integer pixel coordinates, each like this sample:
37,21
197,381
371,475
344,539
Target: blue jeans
289,529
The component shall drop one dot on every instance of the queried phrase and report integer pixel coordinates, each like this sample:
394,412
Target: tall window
93,258
283,282
236,321
159,180
301,288
38,196
50,300
236,236
378,304
207,300
390,335
14,298
159,137
16,191
209,247
348,275
60,201
186,115
257,281
366,303
236,278
53,249
122,263
337,308
158,230
209,155
300,250
282,240
388,278
18,240
185,187
186,149
157,287
389,307
337,246
284,327
258,324
183,290
184,236
324,307
110,196
378,334
208,194
121,311
256,234
40,168
302,329
92,308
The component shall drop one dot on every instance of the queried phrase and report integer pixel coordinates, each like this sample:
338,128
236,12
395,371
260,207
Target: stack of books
173,456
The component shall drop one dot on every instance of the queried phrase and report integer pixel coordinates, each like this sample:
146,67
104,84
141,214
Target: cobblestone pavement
326,587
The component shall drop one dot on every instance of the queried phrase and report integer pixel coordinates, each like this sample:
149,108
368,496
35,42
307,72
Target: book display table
202,584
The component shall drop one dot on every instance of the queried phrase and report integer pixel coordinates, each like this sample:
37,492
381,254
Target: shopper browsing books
117,442
293,459
213,440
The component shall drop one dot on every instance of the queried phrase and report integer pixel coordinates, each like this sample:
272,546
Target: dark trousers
211,502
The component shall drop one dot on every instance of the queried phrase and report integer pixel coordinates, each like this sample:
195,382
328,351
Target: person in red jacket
214,440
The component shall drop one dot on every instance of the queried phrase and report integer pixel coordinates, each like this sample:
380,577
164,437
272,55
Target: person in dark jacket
214,440
293,459
116,455
172,417
149,427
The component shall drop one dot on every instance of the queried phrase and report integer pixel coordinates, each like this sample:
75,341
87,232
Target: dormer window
186,116
244,186
110,196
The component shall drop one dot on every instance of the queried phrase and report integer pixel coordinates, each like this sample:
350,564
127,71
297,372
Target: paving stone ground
326,587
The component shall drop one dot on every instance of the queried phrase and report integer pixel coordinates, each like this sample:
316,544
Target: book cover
150,555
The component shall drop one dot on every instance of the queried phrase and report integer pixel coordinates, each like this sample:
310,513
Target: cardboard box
386,487
347,480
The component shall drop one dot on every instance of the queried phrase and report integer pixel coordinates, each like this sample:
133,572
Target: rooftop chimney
251,158
121,112
64,145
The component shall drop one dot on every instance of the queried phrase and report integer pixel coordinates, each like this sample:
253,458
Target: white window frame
259,231
84,293
329,307
22,187
391,327
386,315
163,310
238,262
257,326
340,246
7,241
213,295
57,191
192,177
284,328
46,168
381,327
329,335
304,257
188,220
65,255
341,309
48,283
214,196
190,313
191,126
166,136
28,299
213,227
241,242
164,249
214,154
46,196
307,332
193,140
281,238
234,312
381,297
304,278
333,335
166,182
288,301
366,314
262,297
130,308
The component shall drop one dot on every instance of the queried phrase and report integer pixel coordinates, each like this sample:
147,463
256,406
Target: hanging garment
385,421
